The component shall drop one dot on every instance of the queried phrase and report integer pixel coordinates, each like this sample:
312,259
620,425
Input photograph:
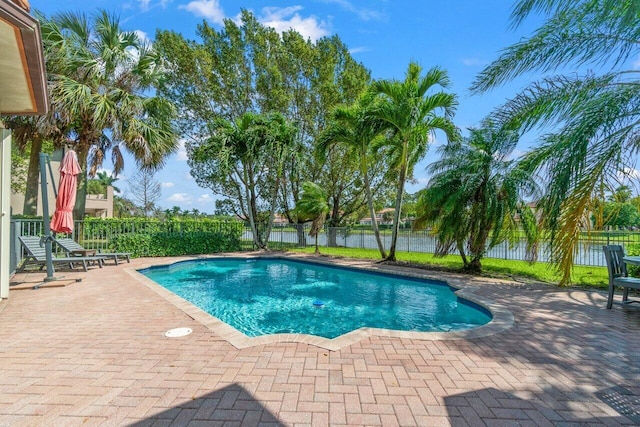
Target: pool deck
93,352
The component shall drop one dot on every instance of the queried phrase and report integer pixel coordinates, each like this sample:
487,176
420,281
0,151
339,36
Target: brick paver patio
94,353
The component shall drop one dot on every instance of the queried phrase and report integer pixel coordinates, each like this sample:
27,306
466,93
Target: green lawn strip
510,269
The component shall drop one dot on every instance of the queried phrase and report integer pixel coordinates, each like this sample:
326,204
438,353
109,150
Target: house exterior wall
97,205
5,209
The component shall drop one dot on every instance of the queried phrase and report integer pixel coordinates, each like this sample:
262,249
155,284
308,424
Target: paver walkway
94,353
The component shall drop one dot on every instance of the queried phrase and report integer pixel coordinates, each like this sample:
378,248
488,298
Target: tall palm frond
593,120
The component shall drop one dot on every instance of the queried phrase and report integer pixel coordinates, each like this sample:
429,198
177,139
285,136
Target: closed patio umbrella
62,221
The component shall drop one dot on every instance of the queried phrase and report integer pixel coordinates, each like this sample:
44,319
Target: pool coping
502,319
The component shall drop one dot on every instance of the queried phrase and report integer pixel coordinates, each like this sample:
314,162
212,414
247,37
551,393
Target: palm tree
593,119
622,194
98,79
353,127
475,196
313,206
107,180
124,208
412,114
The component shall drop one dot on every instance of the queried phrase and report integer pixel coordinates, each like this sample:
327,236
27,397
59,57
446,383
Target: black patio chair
618,275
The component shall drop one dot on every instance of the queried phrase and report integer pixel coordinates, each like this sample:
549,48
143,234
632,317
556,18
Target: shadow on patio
570,356
497,407
229,404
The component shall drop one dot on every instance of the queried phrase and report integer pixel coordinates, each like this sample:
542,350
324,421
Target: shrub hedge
174,244
170,237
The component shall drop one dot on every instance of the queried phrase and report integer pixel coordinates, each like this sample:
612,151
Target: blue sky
461,36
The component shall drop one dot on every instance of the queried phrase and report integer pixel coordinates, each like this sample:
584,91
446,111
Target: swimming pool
270,295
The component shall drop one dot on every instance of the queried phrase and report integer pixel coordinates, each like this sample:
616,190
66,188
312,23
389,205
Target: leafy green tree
410,205
475,197
412,112
95,187
353,127
99,78
622,194
313,206
621,215
593,117
125,208
635,201
31,136
247,67
244,161
19,169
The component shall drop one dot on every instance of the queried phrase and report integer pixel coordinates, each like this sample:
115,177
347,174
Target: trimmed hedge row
175,244
107,227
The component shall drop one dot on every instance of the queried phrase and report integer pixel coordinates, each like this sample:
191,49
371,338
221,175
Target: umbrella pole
47,238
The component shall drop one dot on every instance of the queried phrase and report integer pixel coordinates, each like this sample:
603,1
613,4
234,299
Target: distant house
96,205
280,221
380,217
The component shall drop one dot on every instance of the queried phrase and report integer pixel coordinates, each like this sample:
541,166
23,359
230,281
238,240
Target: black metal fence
97,235
588,253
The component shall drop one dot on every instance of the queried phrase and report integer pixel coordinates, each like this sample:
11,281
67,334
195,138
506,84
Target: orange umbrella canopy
62,221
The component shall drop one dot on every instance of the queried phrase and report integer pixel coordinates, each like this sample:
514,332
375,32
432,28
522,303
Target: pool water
269,296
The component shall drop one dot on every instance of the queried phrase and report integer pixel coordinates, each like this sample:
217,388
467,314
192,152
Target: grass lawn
519,270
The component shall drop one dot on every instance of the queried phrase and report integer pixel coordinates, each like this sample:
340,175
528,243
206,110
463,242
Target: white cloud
628,172
358,50
474,62
208,9
109,172
363,13
182,152
144,4
285,18
167,184
279,18
205,199
143,37
180,198
516,154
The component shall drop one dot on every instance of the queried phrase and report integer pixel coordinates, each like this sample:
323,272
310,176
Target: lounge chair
36,255
618,275
72,248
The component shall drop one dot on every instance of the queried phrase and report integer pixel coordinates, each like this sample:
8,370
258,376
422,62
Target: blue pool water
268,296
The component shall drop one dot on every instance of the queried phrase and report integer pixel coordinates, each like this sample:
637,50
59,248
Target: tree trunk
81,193
251,212
30,206
255,227
463,255
396,215
332,240
272,210
372,212
302,239
475,266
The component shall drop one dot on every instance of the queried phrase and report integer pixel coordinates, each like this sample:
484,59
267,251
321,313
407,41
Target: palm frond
594,32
